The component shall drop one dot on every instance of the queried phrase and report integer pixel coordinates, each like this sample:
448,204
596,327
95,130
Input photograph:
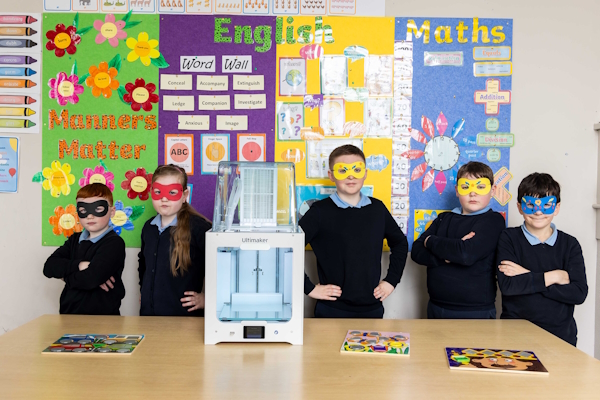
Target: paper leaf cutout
38,178
74,68
441,124
137,212
83,78
132,24
159,62
440,182
126,17
418,171
412,154
458,127
116,63
103,165
76,20
122,92
85,30
428,179
427,126
418,136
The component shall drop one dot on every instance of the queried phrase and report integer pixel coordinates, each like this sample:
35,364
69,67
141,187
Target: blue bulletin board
461,67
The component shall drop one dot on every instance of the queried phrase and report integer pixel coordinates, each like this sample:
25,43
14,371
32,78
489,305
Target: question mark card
379,75
292,76
333,116
334,75
378,117
290,119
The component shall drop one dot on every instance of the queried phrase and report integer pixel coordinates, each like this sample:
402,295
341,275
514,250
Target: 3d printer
254,256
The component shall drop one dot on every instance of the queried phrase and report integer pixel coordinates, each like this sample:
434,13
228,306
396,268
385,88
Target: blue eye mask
531,205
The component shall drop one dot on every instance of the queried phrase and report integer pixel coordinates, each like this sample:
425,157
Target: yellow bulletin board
313,43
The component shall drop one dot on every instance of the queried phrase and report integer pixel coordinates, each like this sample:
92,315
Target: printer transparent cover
255,196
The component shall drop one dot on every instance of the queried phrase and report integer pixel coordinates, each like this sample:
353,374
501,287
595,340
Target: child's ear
557,210
112,211
330,175
493,191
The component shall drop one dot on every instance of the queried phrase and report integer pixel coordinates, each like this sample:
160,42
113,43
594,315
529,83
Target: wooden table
173,363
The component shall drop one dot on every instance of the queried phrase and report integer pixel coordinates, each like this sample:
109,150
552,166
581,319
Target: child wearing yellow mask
346,233
459,250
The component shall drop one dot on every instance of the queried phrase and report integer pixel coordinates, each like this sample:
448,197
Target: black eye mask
90,208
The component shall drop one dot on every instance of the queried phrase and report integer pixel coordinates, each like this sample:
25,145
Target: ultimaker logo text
251,240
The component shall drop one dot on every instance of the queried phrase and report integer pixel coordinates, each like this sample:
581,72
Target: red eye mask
172,192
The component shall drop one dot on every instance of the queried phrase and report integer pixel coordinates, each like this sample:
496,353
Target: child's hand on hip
510,268
194,300
326,292
383,290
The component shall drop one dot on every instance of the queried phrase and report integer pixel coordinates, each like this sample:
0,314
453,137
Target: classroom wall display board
420,96
374,342
94,344
494,360
20,72
233,7
100,91
452,96
219,92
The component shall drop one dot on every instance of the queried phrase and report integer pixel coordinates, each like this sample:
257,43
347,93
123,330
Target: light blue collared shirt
533,240
85,235
458,210
158,222
364,201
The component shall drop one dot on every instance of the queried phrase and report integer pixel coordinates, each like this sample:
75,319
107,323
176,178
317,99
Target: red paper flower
63,39
140,95
138,184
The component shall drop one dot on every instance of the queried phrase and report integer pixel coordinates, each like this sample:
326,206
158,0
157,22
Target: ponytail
181,234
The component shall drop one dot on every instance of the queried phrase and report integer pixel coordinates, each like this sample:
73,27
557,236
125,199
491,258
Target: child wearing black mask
90,262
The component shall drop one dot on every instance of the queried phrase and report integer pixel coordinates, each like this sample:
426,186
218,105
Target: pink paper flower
110,29
65,89
97,175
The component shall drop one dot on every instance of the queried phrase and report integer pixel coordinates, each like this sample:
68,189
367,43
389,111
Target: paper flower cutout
63,39
58,179
102,80
121,219
140,95
65,221
142,48
441,152
110,30
65,89
138,184
97,175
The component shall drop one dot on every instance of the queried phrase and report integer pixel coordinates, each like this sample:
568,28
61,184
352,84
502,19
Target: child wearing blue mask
541,272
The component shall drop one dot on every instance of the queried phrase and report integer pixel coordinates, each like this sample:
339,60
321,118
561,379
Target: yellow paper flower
142,48
58,179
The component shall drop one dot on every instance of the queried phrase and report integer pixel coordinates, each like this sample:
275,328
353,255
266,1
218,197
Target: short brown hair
539,185
345,150
95,190
476,170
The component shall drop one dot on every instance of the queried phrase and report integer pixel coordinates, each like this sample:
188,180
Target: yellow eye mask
342,171
480,186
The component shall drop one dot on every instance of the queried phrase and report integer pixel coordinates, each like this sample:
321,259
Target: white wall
555,104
